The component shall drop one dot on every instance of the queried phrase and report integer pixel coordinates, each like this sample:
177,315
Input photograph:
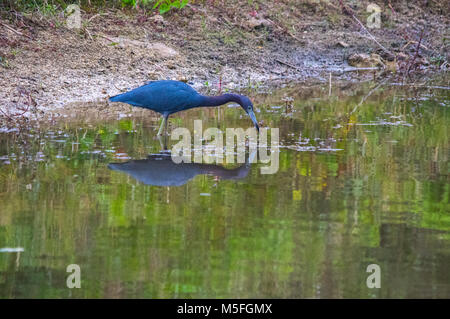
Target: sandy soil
48,66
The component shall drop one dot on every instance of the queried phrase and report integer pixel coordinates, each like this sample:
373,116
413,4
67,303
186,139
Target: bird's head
247,105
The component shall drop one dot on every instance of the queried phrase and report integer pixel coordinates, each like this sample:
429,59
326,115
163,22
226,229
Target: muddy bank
214,48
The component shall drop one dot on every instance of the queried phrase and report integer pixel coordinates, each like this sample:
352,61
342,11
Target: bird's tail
117,98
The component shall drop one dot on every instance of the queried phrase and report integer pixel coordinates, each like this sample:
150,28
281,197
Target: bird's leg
162,124
166,121
165,142
161,142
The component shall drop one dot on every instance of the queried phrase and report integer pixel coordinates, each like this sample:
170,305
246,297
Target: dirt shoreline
52,67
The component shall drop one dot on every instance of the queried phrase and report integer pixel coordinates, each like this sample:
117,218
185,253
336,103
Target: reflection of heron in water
160,170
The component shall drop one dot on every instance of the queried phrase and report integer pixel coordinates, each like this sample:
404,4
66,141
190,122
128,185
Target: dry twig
349,12
15,31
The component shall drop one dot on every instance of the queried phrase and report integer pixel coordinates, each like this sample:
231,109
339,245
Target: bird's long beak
253,117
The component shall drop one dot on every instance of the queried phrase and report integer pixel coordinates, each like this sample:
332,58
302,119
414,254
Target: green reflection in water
353,188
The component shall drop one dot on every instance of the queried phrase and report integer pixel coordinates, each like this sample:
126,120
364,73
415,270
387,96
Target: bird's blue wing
161,96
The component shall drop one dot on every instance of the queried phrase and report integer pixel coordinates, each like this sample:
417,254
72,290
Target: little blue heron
168,97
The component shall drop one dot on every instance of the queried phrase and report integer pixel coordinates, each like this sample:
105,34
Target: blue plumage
161,96
168,97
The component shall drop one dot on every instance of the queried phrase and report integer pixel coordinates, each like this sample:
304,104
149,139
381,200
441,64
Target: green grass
51,6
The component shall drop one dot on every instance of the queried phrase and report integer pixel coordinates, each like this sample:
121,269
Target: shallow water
362,180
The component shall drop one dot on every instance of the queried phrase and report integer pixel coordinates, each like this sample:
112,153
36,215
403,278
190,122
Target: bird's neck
219,100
